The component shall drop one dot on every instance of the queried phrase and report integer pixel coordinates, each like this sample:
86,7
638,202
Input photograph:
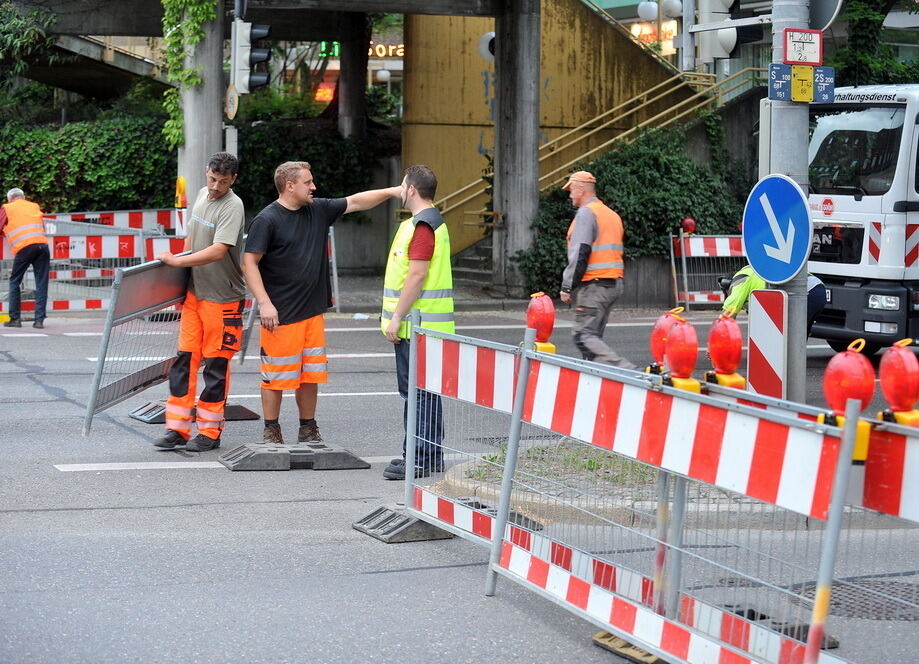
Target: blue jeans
38,256
429,424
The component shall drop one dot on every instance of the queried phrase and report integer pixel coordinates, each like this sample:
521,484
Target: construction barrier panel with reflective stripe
696,526
156,221
698,261
83,266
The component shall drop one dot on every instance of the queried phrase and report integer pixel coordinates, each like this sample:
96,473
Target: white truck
864,197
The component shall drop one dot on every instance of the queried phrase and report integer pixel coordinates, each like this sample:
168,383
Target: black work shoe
38,325
271,435
170,440
202,443
13,322
309,433
396,471
438,468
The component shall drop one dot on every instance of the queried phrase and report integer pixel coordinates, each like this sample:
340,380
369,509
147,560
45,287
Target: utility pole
788,156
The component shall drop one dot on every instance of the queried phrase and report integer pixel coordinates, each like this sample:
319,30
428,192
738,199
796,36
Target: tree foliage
23,37
652,183
865,59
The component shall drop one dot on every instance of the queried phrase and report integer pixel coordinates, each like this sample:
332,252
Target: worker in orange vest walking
593,276
22,224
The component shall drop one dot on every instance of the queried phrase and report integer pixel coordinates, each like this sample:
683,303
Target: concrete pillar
202,106
352,79
517,49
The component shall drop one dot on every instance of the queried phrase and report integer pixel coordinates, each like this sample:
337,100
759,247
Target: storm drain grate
872,599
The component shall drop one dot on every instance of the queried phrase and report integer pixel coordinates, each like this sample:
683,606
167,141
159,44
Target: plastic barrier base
154,412
624,649
309,456
394,526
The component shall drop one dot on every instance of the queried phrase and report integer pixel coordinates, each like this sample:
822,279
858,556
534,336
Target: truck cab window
853,150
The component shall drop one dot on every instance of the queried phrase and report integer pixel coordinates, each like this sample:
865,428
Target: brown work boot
309,433
272,435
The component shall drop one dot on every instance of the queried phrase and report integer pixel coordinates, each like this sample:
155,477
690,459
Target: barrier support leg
673,572
831,535
411,418
660,550
510,464
685,274
100,362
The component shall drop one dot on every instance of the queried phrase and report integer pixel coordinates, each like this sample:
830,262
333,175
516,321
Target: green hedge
112,164
652,183
119,164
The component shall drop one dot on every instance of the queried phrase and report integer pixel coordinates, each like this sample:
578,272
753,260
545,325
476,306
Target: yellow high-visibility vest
436,299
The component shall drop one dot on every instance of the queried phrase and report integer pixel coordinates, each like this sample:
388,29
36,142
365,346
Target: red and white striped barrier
473,374
773,462
151,220
695,268
911,248
710,246
766,355
874,243
891,468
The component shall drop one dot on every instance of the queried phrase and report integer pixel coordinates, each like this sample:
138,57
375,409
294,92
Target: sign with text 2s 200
803,47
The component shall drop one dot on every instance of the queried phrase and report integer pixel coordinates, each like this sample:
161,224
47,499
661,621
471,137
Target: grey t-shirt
220,220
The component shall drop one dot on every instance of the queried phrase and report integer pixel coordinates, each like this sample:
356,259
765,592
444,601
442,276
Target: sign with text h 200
802,47
777,230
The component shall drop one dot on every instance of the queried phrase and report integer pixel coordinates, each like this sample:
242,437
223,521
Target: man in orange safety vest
22,225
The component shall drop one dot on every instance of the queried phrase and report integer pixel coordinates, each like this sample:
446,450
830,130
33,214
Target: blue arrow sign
777,230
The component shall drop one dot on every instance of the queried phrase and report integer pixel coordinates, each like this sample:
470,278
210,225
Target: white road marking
82,334
25,334
139,465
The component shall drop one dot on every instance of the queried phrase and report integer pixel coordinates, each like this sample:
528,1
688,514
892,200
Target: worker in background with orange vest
21,223
593,277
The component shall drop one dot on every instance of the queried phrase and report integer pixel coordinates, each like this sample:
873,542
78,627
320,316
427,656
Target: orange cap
580,176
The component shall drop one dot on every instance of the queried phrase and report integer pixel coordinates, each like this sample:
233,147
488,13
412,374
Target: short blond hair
288,172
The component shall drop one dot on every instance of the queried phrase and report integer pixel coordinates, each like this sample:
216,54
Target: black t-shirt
295,261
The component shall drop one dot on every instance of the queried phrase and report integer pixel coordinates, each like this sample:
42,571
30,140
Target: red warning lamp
688,225
725,345
541,317
900,376
682,348
658,338
900,384
849,375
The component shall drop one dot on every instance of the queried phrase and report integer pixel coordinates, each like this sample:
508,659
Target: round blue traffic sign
777,231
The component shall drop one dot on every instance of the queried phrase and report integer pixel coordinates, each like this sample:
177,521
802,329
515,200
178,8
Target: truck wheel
841,346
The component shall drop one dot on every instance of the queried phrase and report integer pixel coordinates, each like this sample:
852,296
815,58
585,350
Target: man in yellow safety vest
418,276
21,223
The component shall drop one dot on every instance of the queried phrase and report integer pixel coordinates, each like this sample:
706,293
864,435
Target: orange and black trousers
209,333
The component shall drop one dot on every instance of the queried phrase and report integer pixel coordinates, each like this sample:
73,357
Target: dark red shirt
421,248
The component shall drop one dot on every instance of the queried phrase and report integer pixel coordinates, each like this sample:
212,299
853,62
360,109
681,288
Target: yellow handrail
710,94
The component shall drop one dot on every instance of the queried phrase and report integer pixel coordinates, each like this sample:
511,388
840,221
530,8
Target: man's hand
167,258
392,330
565,296
268,316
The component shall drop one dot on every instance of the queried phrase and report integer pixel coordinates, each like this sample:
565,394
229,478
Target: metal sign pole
788,156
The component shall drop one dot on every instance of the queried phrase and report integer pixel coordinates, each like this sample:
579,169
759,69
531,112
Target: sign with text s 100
803,47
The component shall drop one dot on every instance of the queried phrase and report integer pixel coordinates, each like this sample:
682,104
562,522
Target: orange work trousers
209,332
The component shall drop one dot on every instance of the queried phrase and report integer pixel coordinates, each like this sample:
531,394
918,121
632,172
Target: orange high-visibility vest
606,256
24,224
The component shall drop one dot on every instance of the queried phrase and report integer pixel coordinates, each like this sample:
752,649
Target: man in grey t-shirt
211,327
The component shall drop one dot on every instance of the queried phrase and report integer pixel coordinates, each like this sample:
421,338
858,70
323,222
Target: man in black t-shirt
286,266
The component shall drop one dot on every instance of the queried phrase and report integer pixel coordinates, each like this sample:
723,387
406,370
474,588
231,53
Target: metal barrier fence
138,345
693,525
698,261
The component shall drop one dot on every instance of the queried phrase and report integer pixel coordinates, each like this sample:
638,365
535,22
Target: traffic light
245,57
723,43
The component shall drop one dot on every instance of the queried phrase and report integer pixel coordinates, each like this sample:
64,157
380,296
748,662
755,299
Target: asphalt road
198,564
